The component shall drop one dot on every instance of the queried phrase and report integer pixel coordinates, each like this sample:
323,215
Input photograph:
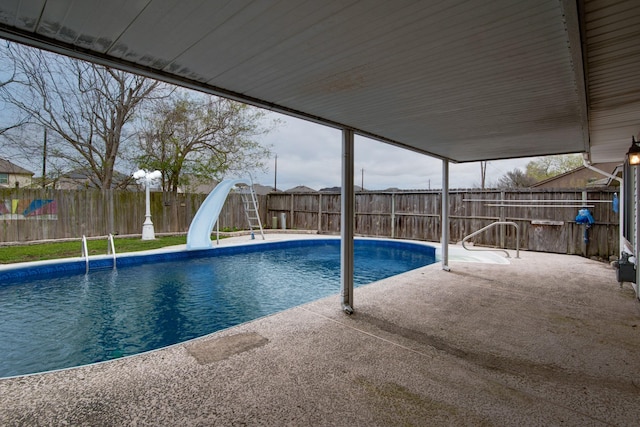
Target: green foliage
195,137
540,169
550,166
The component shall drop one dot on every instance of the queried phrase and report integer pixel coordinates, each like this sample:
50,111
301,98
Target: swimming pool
56,317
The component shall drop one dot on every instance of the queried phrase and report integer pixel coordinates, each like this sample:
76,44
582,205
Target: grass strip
54,250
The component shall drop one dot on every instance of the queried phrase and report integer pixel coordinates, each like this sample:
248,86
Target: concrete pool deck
542,340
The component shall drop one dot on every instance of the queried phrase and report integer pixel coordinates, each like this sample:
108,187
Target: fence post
291,214
319,213
502,219
393,215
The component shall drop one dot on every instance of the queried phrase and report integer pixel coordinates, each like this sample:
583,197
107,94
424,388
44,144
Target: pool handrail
475,233
111,249
85,253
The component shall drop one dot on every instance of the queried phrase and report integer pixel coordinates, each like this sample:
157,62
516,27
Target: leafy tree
87,108
193,136
516,179
549,166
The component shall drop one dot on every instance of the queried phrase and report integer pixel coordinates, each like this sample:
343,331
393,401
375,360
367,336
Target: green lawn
42,251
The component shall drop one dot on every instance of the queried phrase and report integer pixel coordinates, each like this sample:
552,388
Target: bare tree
89,107
8,71
516,179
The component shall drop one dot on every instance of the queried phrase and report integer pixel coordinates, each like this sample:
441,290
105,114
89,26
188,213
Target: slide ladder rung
251,210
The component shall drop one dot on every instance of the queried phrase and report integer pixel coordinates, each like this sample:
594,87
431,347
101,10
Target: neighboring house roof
82,176
197,185
339,189
301,189
7,167
77,174
262,189
580,177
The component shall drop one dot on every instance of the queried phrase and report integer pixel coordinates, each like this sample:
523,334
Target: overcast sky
310,154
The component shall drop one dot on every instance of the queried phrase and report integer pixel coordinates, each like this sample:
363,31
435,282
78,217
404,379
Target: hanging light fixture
633,155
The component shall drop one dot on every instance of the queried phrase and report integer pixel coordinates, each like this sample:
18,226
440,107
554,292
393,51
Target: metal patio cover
460,80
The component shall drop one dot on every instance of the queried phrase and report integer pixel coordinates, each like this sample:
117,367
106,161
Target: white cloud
310,154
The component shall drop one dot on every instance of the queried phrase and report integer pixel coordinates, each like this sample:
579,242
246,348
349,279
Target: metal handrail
111,249
492,225
85,253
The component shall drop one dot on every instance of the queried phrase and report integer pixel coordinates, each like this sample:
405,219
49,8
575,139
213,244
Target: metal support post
347,221
445,216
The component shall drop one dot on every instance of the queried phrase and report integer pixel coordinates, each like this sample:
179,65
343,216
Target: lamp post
147,178
633,155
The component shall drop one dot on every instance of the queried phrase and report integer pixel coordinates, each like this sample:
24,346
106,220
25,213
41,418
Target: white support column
347,219
444,243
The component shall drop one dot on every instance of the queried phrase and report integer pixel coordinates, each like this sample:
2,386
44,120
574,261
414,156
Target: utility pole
483,174
44,159
362,180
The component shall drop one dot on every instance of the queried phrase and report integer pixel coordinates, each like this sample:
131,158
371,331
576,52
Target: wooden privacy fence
545,226
32,214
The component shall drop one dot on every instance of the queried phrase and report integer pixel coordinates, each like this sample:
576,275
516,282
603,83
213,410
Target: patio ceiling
461,80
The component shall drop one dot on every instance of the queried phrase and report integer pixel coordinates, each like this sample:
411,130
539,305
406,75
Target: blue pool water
65,320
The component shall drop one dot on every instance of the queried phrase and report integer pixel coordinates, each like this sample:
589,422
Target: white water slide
199,235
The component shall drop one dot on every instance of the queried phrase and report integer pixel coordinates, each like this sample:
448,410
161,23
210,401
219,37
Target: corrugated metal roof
465,80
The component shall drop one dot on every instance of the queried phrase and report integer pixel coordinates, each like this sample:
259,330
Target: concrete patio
544,340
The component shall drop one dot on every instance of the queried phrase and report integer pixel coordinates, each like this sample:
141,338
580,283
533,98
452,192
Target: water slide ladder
250,202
